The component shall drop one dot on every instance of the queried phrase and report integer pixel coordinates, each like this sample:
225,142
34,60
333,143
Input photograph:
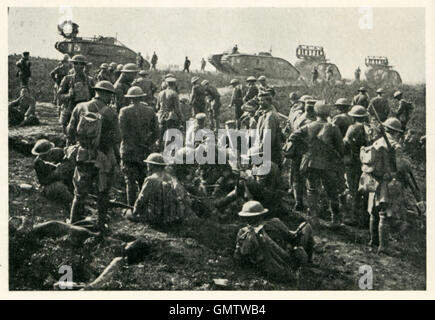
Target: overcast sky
175,33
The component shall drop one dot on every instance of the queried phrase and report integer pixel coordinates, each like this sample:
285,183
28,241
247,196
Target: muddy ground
189,257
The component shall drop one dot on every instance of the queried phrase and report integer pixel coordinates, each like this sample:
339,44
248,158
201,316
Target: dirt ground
189,257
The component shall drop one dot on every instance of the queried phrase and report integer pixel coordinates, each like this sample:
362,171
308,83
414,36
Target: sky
398,33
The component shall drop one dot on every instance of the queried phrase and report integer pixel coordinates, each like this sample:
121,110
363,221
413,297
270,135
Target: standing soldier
203,63
342,120
74,88
321,160
357,74
168,110
362,98
197,96
117,72
268,128
139,132
382,171
95,126
405,109
252,90
24,72
213,99
147,86
154,60
186,65
139,61
103,73
263,86
380,104
128,74
329,73
236,101
354,139
58,73
314,75
111,72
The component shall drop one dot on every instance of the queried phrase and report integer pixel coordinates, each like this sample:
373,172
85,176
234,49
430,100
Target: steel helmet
65,58
104,66
78,58
170,80
169,75
135,92
156,158
42,146
393,124
321,108
200,116
397,94
342,102
129,68
194,80
113,64
204,82
362,89
261,78
143,73
119,67
234,81
252,208
358,112
251,78
380,90
105,86
305,98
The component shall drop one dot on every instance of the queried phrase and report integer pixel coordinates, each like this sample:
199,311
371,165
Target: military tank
310,57
97,49
380,73
262,63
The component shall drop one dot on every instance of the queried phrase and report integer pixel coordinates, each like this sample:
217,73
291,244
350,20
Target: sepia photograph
216,148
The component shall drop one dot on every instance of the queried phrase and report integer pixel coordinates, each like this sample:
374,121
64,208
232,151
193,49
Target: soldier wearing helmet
117,72
103,73
213,100
58,73
94,154
404,110
197,96
147,86
342,120
236,101
362,98
321,161
111,72
252,90
128,74
380,201
139,129
380,104
74,88
263,86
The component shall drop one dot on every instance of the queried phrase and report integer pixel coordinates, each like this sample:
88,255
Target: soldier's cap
194,80
78,58
169,75
358,111
362,89
104,85
119,67
200,116
104,66
204,82
230,122
251,78
42,146
65,58
170,80
305,98
293,96
261,78
264,94
380,90
135,92
113,64
342,102
143,73
393,124
397,94
234,81
252,208
321,108
129,68
156,159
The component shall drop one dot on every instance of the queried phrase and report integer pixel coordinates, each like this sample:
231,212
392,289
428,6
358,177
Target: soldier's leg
82,181
130,181
330,181
313,182
374,221
298,184
383,228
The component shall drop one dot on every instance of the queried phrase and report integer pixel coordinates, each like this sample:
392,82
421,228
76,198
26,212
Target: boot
335,214
77,209
374,236
102,205
383,234
131,192
298,192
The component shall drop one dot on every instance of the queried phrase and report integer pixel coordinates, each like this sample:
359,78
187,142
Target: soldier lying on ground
22,110
269,245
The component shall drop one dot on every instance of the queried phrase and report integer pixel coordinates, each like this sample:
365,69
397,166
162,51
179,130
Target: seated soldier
53,171
270,245
22,110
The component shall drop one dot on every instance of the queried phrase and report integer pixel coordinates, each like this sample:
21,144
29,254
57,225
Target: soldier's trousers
297,180
24,80
134,175
328,178
353,174
213,110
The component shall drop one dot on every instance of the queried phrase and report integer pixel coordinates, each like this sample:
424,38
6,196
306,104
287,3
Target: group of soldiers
117,121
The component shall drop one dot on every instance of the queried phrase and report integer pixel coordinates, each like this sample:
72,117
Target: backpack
89,128
369,157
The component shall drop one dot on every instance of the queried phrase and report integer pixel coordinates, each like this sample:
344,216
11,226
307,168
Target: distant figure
154,59
314,75
58,73
235,49
139,61
357,74
203,63
186,65
405,109
329,73
24,72
362,98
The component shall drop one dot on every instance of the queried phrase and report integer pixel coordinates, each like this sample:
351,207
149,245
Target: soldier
111,72
263,86
139,61
186,65
58,73
355,138
24,72
139,131
154,60
383,171
87,71
103,73
362,98
22,110
297,107
168,109
197,96
380,104
342,120
74,88
268,128
357,74
200,120
307,116
213,99
95,126
235,49
405,109
128,74
252,90
117,72
203,63
147,86
314,75
321,160
54,173
236,101
329,73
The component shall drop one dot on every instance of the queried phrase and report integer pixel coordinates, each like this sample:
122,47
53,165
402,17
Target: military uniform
404,112
361,99
121,88
251,93
342,121
57,74
22,111
197,99
147,86
213,99
24,72
268,119
139,131
237,102
380,104
168,111
102,75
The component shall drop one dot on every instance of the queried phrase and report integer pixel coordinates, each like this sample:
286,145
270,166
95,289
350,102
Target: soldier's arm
30,109
144,196
63,92
53,73
115,132
339,145
123,125
15,102
155,129
72,125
